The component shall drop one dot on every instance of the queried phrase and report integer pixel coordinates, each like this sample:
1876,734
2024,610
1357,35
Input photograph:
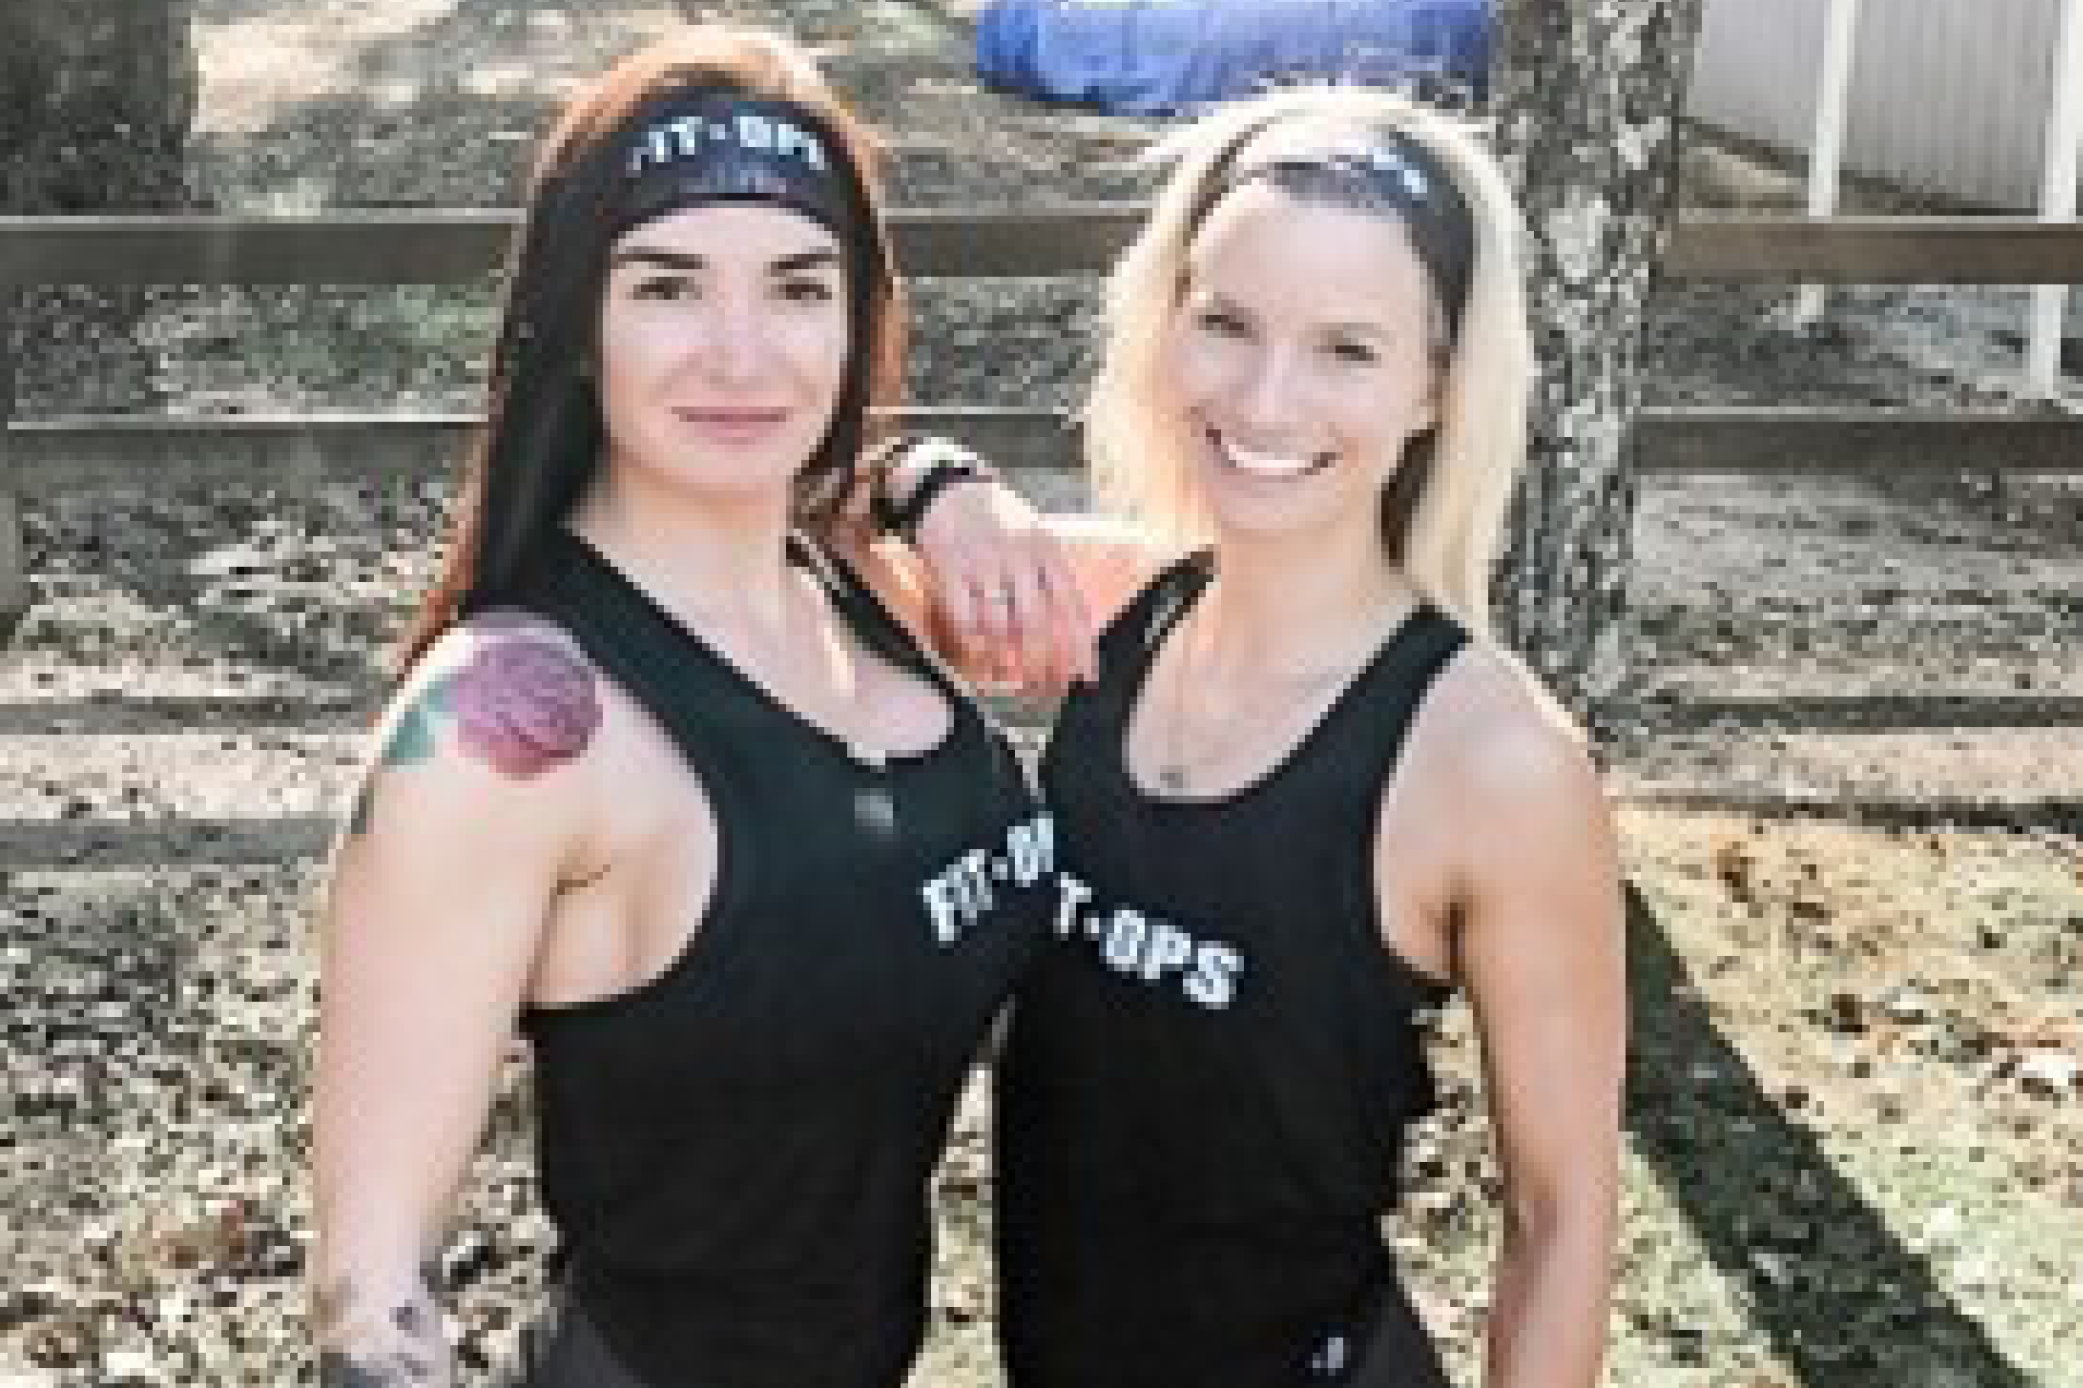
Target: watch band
882,465
947,464
944,473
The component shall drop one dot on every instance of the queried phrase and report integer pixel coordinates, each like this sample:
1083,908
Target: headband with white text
713,147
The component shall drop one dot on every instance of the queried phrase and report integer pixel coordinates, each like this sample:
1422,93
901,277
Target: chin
722,480
1255,502
1314,515
1263,517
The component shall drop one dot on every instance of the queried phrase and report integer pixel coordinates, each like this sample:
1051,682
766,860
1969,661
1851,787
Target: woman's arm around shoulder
471,813
1541,951
1006,592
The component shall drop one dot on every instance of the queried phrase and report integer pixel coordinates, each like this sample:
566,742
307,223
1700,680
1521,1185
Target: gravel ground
1856,1110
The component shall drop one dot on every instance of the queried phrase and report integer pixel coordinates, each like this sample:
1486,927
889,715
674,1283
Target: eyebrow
676,260
1353,328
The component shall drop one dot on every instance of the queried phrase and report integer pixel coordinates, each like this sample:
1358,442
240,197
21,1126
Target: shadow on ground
1843,1301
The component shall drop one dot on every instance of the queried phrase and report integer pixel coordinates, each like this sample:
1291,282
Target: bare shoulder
1536,861
1516,756
501,703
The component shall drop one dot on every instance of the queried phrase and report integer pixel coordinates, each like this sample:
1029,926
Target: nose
737,340
1267,398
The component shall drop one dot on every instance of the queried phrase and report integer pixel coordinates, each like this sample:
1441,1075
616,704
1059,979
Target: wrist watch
897,510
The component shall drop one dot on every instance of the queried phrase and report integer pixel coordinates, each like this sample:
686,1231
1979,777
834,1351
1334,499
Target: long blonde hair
1139,467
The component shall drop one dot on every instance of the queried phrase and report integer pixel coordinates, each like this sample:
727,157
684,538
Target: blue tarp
1159,57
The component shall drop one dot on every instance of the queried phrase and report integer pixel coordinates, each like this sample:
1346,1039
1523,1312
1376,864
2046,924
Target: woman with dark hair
666,785
1308,797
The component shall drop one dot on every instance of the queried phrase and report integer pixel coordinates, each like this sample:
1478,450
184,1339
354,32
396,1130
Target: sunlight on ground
307,53
257,68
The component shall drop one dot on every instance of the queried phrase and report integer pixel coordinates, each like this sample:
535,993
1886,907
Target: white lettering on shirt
963,892
1149,949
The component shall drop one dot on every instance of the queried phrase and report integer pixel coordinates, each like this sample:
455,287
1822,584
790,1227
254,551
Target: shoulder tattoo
522,705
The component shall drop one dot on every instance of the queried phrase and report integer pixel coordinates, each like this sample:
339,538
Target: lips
734,424
1273,465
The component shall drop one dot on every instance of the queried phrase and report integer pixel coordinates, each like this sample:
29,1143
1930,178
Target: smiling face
1302,357
723,342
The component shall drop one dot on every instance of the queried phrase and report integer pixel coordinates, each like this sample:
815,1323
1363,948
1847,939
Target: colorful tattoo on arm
522,705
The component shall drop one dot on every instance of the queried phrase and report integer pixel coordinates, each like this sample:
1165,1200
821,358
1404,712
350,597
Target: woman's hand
1002,587
371,1341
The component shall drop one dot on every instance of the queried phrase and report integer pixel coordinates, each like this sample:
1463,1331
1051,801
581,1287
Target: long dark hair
540,446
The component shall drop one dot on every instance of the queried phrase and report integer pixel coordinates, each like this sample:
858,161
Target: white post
1826,151
2057,201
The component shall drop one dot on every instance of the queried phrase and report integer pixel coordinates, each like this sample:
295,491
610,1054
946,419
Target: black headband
1388,173
714,147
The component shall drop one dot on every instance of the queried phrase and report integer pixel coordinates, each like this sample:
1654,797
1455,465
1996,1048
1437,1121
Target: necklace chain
1176,760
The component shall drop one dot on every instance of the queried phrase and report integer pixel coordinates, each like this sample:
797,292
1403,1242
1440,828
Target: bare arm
1543,957
1007,593
463,830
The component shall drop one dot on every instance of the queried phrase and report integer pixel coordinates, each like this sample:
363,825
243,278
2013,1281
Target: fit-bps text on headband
695,137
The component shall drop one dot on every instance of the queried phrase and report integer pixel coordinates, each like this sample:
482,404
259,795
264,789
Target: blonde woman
1306,796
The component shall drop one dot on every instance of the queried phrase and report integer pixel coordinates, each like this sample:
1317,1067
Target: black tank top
1211,1067
736,1154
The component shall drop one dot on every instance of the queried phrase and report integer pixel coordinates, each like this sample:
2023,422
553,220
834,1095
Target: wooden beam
294,452
1813,442
443,247
1070,240
164,842
117,450
1690,710
1876,250
2047,814
298,452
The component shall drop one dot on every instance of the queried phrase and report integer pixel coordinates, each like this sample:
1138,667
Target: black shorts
1398,1350
562,1349
1383,1343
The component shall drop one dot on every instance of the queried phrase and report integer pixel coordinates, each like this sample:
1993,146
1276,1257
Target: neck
721,559
1295,607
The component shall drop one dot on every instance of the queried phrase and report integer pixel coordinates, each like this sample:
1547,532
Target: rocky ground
1856,1107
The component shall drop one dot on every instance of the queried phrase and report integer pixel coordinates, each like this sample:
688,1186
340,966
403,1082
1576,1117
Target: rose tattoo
525,705
522,705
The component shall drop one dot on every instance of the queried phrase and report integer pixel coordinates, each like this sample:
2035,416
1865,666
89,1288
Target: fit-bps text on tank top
1210,1071
735,1154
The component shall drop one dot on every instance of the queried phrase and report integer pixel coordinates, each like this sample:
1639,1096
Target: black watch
901,518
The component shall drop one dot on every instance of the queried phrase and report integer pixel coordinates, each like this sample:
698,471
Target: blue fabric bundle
1161,57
